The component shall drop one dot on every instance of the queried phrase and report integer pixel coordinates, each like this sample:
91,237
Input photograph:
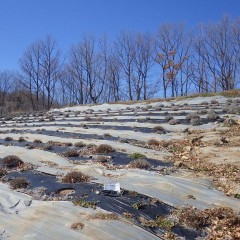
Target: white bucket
112,187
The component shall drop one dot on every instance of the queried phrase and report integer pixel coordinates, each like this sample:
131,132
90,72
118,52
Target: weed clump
104,148
164,223
19,182
103,216
84,203
12,161
139,205
140,163
76,177
107,135
160,222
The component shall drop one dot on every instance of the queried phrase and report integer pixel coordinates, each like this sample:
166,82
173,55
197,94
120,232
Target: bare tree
113,83
40,67
75,79
99,71
200,71
6,79
125,54
143,63
220,53
50,64
236,42
31,73
172,47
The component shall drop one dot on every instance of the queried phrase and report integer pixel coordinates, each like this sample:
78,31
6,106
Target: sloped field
165,155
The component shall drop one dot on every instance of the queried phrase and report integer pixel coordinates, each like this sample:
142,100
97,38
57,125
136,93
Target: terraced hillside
177,163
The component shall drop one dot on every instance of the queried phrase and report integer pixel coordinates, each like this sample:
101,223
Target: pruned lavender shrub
173,122
12,161
237,101
159,129
215,102
234,109
140,163
192,115
212,115
169,117
104,148
8,139
229,122
75,177
175,108
204,103
196,121
157,108
202,111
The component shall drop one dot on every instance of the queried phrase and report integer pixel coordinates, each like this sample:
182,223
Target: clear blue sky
24,21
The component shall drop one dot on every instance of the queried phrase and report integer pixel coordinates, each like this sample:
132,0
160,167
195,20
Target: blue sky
24,21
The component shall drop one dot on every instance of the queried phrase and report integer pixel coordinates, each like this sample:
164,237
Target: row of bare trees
40,69
174,61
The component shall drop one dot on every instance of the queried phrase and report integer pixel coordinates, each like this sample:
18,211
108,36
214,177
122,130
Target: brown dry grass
225,176
228,93
221,223
153,142
188,152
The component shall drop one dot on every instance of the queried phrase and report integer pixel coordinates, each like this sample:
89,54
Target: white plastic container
113,186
